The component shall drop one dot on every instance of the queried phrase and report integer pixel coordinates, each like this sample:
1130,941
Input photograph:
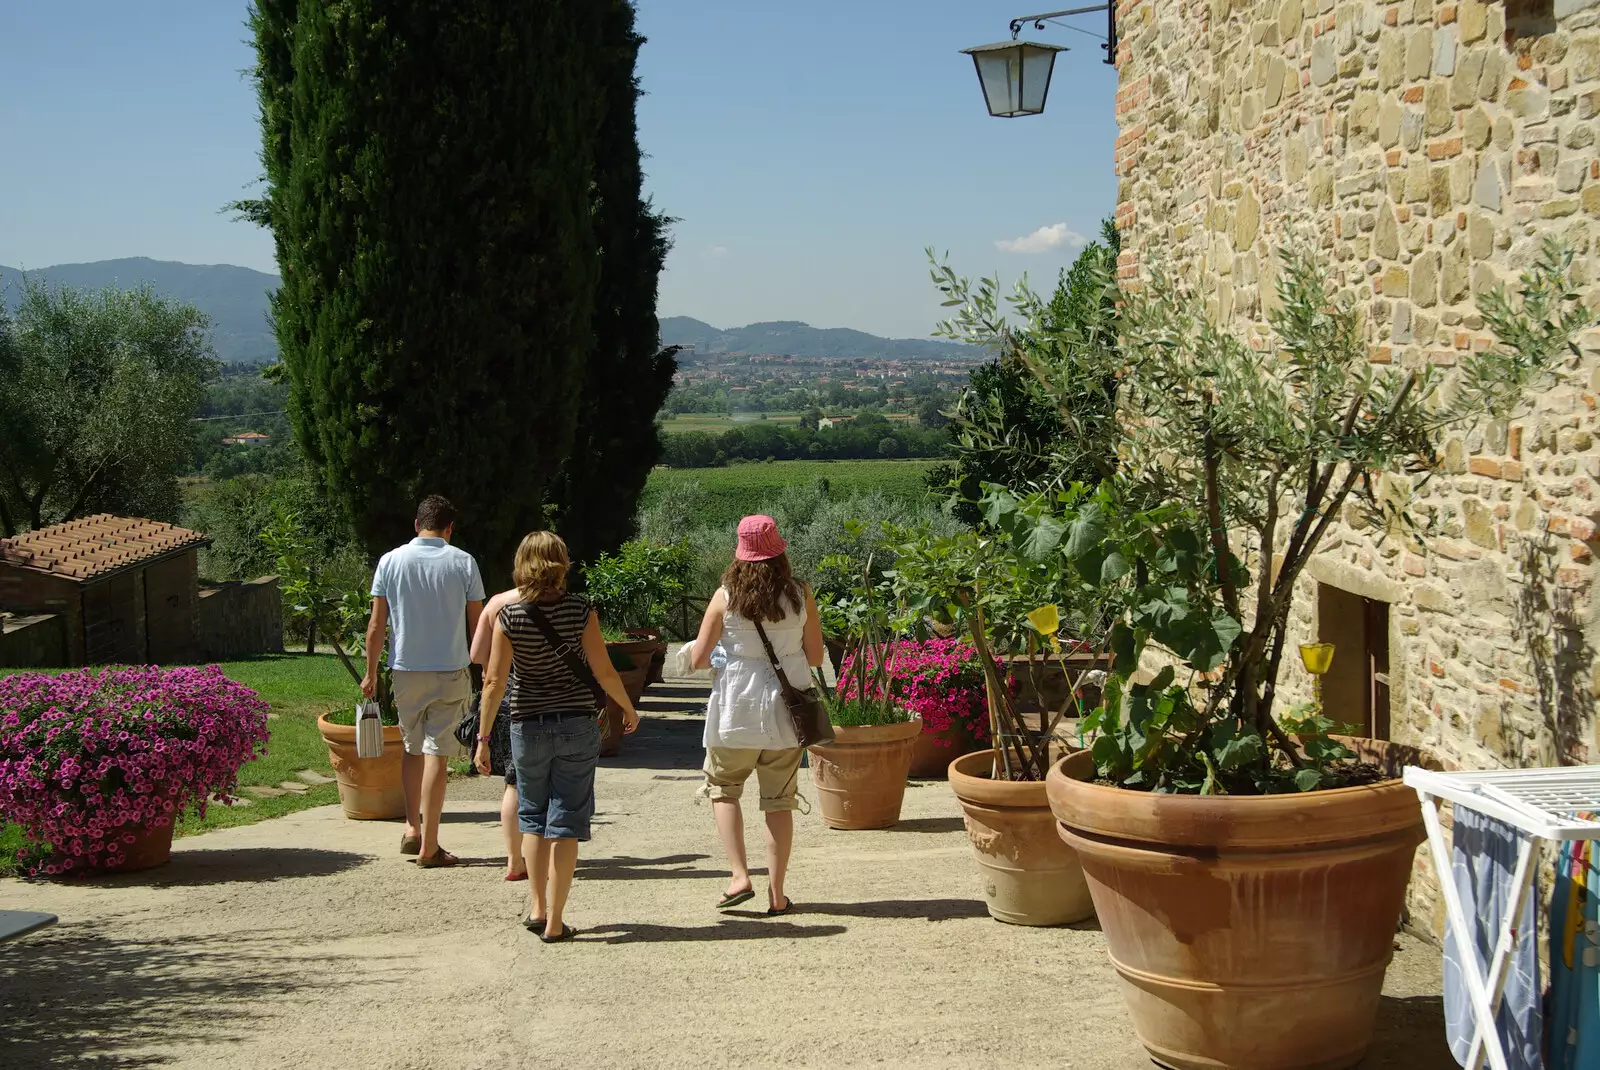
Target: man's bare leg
411,784
435,774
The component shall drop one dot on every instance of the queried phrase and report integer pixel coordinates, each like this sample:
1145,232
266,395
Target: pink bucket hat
759,539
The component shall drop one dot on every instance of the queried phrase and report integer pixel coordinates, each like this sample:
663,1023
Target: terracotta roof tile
96,545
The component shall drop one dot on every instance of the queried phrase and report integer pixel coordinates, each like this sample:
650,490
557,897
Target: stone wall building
1429,148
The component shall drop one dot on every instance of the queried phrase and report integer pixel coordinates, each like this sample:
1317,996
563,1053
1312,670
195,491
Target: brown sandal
410,845
438,860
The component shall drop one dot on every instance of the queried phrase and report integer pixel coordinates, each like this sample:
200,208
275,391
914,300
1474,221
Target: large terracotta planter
1029,875
1248,931
934,751
369,788
151,847
861,776
646,644
634,682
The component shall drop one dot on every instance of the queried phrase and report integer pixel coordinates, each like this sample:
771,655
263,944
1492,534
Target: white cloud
1043,240
719,250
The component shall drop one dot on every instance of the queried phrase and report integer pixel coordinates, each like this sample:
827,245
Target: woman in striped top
555,728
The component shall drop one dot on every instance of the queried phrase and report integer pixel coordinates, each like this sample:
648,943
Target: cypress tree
629,374
428,172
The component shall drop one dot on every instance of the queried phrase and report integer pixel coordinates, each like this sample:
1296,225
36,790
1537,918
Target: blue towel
1575,961
1483,863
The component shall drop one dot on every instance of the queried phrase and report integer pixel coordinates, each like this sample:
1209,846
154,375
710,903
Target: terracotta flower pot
369,788
934,751
644,654
861,775
1029,876
1248,931
634,682
654,648
151,847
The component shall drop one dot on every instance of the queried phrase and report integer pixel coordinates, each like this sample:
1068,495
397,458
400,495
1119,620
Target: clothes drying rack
1542,804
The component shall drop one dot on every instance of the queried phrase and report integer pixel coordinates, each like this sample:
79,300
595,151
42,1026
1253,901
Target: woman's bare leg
508,827
780,841
537,859
563,855
730,826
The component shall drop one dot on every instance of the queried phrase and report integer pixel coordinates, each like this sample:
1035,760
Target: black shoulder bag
806,711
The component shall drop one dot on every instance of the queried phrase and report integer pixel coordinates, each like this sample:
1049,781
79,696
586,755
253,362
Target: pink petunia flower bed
87,758
941,680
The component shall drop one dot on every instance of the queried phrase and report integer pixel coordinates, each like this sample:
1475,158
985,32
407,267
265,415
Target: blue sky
809,151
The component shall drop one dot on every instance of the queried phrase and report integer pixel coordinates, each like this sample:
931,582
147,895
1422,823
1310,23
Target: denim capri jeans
554,758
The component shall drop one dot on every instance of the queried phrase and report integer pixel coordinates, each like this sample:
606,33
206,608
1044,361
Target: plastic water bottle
719,658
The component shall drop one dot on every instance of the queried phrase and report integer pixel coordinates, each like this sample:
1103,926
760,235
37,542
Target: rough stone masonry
1429,148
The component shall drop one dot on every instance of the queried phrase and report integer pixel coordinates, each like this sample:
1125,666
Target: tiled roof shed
128,588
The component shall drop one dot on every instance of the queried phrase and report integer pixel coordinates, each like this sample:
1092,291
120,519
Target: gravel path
308,941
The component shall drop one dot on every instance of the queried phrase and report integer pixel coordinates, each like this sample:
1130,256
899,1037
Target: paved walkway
309,942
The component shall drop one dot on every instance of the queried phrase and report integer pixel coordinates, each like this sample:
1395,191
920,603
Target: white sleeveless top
746,707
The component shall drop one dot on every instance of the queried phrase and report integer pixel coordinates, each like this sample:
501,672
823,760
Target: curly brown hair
757,590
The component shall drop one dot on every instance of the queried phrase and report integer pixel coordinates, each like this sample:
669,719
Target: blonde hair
541,565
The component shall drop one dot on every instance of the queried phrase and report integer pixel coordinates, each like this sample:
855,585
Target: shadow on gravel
83,995
1410,1035
624,933
661,743
238,865
929,824
643,869
921,909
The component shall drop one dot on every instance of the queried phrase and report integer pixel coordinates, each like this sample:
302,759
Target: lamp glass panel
1000,72
1036,65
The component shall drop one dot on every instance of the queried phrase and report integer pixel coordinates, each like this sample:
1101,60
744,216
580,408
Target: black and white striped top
541,683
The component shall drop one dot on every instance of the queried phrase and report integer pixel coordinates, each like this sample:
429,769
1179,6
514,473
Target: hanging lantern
1015,75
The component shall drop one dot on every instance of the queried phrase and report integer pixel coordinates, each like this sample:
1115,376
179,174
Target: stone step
311,776
295,786
262,792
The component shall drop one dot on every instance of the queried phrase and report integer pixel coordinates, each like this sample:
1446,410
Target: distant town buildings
246,438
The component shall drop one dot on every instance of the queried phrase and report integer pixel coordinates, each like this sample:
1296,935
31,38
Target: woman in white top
747,724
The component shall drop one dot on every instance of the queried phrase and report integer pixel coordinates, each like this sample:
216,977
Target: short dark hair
435,513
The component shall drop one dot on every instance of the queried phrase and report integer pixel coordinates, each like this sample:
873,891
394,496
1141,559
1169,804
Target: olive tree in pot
989,587
861,776
369,788
1248,867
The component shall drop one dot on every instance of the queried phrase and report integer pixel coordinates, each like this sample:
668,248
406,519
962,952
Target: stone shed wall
1428,148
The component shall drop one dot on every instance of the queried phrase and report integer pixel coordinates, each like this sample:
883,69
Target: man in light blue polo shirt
431,593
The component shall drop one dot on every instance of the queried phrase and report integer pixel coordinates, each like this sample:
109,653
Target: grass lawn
299,687
738,488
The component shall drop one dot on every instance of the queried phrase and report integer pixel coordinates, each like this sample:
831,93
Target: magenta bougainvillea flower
88,758
941,680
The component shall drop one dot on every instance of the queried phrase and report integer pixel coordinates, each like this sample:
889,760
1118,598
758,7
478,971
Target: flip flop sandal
773,912
533,925
567,933
438,860
733,899
410,845
517,876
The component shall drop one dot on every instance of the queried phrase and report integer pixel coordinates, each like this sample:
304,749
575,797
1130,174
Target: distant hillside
795,339
236,300
234,297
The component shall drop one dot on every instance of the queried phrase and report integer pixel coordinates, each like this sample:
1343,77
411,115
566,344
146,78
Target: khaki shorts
430,705
777,773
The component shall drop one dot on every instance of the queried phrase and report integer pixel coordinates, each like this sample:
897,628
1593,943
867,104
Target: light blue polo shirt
428,584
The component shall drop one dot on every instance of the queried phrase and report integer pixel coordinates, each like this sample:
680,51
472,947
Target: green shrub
638,586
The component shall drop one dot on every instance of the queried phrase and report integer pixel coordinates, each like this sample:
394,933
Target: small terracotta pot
934,751
1029,876
151,847
1248,931
369,788
634,682
657,651
861,776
